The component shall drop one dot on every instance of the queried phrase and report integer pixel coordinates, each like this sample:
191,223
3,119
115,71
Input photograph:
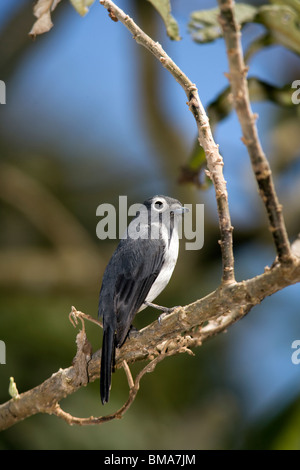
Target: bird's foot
166,310
159,307
133,332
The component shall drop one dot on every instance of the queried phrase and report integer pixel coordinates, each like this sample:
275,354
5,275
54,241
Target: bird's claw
166,312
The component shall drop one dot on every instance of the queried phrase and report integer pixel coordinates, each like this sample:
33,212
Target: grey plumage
137,272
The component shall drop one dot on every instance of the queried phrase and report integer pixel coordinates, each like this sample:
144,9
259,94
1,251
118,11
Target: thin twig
128,374
238,80
214,159
75,314
133,390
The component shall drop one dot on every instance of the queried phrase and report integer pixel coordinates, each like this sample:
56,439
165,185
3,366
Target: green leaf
164,9
294,4
194,171
262,41
204,25
220,108
82,6
283,23
281,20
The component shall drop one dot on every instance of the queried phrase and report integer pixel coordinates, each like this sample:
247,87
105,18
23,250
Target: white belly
167,269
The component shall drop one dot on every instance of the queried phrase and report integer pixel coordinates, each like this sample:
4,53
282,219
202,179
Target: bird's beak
180,210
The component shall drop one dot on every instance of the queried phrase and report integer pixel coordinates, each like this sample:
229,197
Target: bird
138,271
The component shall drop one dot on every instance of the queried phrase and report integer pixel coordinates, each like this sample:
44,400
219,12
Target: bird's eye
158,205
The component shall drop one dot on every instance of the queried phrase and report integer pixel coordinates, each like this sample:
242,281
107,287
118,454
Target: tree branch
214,159
238,80
185,328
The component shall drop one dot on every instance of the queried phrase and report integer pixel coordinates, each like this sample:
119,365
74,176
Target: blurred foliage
42,10
164,9
219,109
258,91
82,6
204,24
280,432
281,21
192,171
50,258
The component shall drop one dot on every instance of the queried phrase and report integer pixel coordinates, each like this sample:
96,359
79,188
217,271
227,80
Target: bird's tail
107,362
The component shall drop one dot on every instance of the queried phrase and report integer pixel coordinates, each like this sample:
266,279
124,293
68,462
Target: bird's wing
140,262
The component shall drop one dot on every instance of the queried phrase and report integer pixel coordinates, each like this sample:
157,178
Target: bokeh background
90,116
